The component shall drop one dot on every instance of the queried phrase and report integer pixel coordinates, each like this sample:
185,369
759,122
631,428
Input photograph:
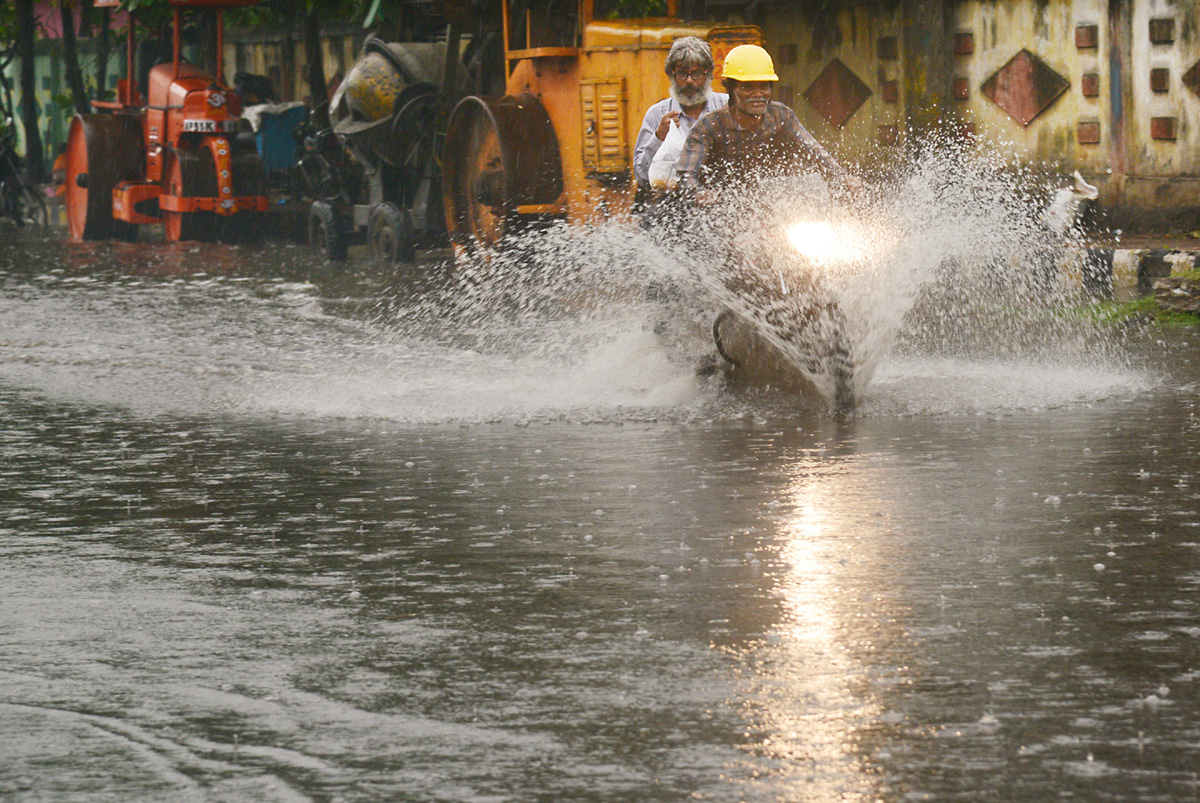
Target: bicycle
19,199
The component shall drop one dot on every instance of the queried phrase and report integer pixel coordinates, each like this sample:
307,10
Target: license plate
200,126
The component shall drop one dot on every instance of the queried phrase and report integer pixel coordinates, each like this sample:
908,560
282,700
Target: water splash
953,304
952,261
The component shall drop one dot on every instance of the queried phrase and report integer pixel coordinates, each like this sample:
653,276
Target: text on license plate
201,126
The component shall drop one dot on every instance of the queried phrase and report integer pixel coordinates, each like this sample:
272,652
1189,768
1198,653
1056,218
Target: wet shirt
719,150
648,143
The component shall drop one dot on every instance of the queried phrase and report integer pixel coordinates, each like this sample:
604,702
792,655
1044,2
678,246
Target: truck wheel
500,154
102,151
390,235
249,179
480,210
185,177
326,234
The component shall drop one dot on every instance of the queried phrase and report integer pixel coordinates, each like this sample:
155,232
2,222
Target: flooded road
262,539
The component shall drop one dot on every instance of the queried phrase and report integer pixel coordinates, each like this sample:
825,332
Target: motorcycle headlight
823,241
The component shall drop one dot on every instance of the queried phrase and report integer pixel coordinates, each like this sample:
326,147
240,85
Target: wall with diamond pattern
1108,87
842,74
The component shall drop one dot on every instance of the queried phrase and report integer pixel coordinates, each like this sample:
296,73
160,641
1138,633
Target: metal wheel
500,154
186,177
326,234
477,186
102,151
249,179
414,128
390,235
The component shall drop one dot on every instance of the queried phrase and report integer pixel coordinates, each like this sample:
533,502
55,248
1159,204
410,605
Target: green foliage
259,16
630,9
372,13
152,13
8,33
63,101
287,12
8,24
1142,310
8,51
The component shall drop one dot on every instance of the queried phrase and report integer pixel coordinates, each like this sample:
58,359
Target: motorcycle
332,179
782,324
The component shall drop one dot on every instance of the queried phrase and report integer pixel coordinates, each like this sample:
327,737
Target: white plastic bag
662,167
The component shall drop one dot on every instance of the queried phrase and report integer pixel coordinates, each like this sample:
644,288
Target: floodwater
265,536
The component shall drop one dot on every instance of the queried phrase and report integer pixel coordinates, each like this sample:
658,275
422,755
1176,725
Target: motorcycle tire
326,234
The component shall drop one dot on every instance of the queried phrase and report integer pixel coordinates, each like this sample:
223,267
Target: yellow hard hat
749,63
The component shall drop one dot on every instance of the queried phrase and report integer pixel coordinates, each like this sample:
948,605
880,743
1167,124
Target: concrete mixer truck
387,114
556,144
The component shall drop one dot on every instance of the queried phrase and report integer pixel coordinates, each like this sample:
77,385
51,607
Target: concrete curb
1105,270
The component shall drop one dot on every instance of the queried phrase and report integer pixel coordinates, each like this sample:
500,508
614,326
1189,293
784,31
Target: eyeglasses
694,75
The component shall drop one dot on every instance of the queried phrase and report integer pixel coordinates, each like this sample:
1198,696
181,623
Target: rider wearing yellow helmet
752,133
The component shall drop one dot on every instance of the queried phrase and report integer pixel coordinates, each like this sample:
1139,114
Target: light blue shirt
648,143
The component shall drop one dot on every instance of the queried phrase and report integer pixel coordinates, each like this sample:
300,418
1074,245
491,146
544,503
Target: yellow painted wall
853,38
1131,166
282,54
1000,31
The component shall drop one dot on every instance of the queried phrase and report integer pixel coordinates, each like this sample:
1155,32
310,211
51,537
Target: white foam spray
953,305
955,262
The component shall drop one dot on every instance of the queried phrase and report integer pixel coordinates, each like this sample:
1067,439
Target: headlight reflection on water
812,697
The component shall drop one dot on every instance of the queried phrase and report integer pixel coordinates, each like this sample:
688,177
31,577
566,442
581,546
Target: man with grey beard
689,65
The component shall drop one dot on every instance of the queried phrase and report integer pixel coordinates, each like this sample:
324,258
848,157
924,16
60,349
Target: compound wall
1108,87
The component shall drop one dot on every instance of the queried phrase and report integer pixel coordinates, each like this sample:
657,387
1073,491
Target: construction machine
164,151
579,74
386,115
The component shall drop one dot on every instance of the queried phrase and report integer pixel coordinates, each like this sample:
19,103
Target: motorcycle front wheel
841,362
795,344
